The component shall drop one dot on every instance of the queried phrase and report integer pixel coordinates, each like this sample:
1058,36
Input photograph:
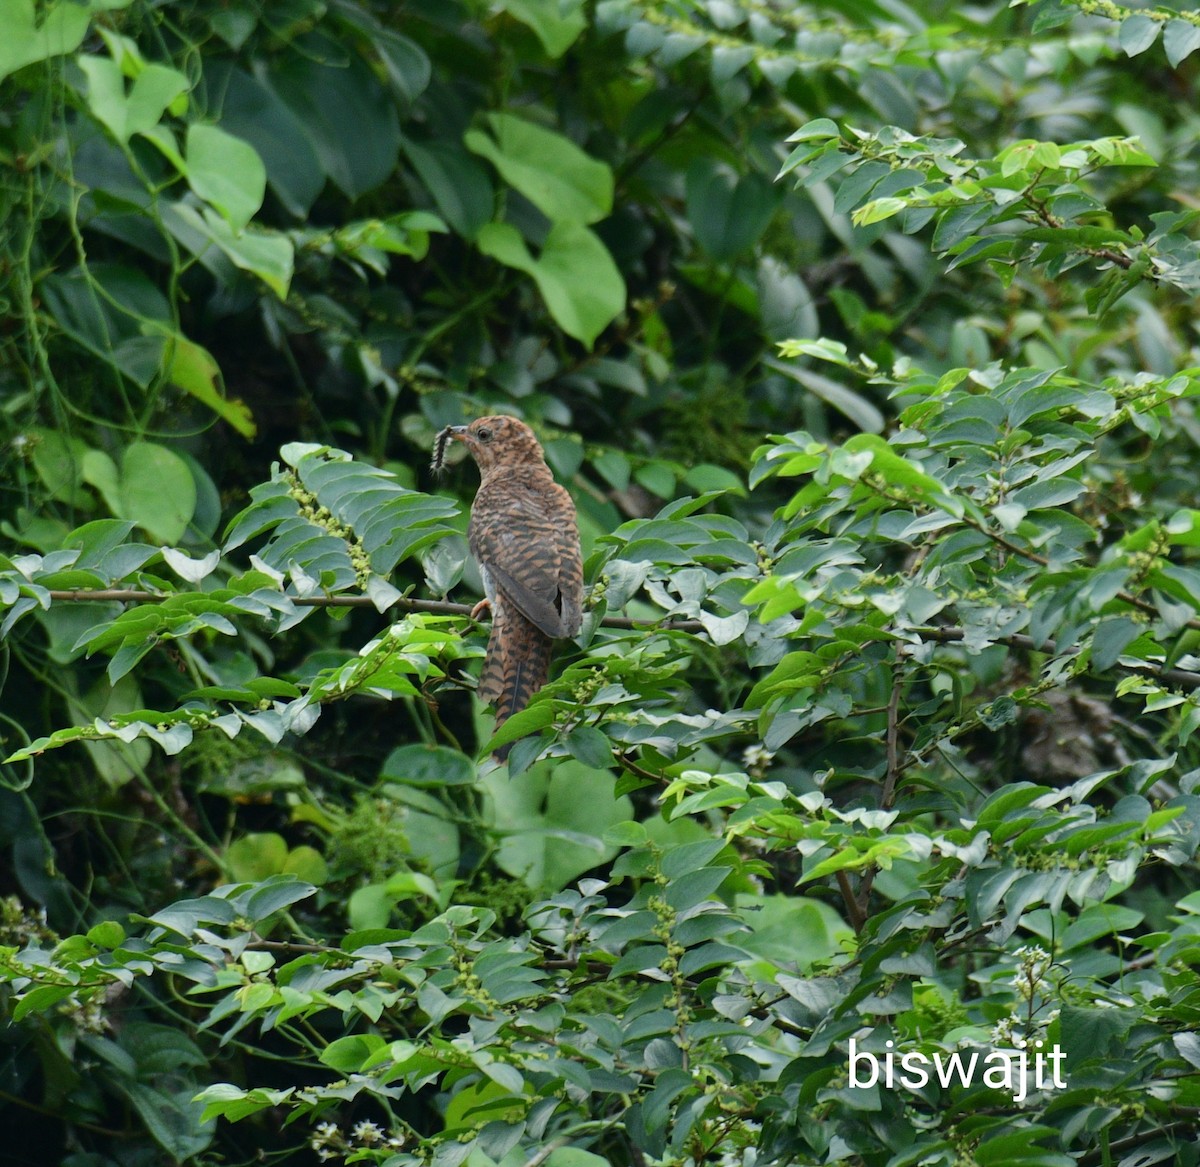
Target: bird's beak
457,432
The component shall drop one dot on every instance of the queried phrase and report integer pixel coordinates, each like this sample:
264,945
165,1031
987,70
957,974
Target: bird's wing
528,544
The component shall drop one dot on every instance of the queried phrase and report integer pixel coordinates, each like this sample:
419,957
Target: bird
524,535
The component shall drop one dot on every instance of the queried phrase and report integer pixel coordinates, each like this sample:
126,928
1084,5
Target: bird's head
498,441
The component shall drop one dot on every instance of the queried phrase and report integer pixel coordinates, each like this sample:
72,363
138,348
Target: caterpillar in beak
438,464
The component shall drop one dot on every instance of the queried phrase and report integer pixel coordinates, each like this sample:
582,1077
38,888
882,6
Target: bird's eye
484,434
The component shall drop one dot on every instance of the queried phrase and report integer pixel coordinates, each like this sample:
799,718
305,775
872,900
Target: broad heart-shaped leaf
728,212
1181,38
407,66
553,816
574,1157
226,172
113,311
157,491
153,488
554,174
256,856
575,273
194,370
24,41
253,111
421,765
267,254
135,112
174,1118
347,114
557,23
1138,33
460,185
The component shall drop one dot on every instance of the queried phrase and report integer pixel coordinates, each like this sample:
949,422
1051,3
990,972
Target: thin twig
857,918
629,764
888,795
893,733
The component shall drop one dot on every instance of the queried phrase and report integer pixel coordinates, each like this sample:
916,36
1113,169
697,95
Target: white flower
367,1132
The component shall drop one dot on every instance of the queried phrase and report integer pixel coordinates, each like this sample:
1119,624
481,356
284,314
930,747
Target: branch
1041,560
440,607
1119,12
1051,220
1181,678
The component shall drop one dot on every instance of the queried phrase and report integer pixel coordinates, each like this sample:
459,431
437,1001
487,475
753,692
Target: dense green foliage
861,333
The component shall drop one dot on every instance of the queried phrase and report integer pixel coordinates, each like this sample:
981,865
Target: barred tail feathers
527,668
517,665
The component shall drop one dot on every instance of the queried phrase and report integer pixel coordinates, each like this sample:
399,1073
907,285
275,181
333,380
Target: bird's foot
480,608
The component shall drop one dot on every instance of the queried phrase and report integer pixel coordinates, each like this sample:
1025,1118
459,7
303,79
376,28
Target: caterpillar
439,451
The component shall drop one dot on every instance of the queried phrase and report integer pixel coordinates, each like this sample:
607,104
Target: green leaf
108,934
564,183
877,210
817,130
1138,33
460,186
557,23
139,110
256,856
157,491
1188,1045
233,1103
254,112
1181,38
196,372
575,274
551,834
863,413
266,254
273,895
347,1055
40,1000
174,1119
153,488
62,31
693,887
1100,1031
1111,638
428,766
574,1157
116,313
370,906
728,212
347,116
227,172
626,834
590,746
306,863
408,68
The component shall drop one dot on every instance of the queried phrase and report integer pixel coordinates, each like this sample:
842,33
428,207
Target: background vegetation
863,334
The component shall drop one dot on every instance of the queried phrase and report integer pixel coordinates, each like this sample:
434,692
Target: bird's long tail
516,666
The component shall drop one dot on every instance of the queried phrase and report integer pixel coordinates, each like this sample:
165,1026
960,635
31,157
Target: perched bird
525,538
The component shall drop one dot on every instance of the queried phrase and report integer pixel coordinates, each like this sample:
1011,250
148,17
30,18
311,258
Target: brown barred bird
525,538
